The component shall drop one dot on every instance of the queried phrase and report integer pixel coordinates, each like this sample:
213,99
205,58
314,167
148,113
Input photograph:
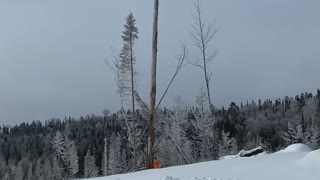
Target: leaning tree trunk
151,138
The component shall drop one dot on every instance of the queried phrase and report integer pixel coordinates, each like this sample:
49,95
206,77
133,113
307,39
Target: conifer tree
127,59
70,158
66,153
90,168
294,134
56,169
313,136
115,154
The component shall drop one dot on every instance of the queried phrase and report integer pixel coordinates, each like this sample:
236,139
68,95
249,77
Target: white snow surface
296,148
296,162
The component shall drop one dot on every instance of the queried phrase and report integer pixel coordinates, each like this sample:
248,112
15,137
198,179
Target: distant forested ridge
99,145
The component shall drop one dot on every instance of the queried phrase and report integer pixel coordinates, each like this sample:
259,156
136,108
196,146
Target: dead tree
153,90
202,34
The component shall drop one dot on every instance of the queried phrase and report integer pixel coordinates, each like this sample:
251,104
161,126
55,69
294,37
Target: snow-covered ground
296,162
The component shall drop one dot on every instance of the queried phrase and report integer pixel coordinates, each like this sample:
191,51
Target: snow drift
299,147
296,162
312,158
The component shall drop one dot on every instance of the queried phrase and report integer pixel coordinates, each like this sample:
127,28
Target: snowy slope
296,162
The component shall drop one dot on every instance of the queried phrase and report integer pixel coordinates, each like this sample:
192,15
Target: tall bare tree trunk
133,111
151,138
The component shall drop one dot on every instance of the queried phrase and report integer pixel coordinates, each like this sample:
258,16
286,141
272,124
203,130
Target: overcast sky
52,53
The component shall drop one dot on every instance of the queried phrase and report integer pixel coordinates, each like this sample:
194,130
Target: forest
98,145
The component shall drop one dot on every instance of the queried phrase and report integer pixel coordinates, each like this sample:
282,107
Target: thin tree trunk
204,58
151,138
133,111
105,173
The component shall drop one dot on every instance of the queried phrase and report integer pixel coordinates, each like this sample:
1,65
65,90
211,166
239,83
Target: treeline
101,145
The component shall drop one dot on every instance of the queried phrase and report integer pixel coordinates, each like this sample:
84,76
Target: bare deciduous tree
202,34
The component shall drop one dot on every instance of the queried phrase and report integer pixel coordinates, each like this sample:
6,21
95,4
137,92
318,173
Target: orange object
156,164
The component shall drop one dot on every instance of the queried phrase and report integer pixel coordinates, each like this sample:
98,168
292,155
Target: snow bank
299,147
300,164
312,158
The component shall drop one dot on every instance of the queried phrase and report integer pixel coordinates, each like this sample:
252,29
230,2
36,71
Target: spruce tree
70,158
90,168
66,153
127,59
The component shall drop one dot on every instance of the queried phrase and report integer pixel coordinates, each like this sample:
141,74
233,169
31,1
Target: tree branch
181,58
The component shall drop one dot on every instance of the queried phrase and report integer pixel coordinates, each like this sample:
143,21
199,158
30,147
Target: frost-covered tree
290,136
66,153
124,161
47,169
105,158
313,136
127,59
172,135
252,142
70,158
21,171
123,67
57,170
115,155
228,145
179,119
90,168
294,134
300,138
203,125
38,171
58,144
43,170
